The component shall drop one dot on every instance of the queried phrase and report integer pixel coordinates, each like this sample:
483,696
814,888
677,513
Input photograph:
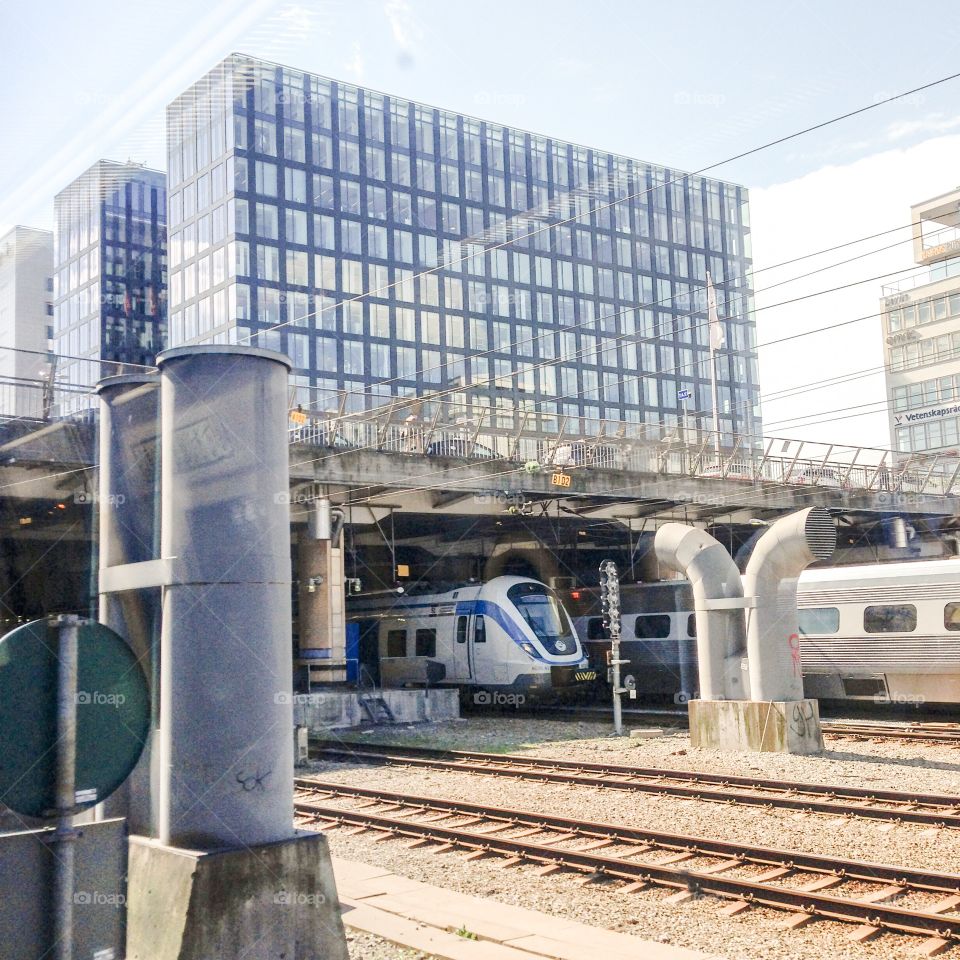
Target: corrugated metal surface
899,654
884,593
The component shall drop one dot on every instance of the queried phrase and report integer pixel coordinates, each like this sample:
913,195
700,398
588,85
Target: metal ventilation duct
773,631
713,577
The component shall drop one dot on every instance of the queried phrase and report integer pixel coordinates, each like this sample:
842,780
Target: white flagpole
716,340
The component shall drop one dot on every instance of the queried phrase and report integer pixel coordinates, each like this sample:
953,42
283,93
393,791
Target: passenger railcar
886,632
509,636
658,637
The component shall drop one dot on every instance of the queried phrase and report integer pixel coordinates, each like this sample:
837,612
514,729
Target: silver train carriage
500,639
886,632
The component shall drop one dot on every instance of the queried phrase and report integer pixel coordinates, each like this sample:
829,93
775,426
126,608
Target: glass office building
110,276
921,326
392,248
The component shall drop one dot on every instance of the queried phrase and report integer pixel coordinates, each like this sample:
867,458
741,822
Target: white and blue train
510,635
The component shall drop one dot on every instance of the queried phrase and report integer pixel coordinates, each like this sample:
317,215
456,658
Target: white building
921,326
26,318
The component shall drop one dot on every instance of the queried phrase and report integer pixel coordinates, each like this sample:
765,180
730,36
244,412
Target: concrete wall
322,711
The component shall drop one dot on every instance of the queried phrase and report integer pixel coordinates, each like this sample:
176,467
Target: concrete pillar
129,532
226,740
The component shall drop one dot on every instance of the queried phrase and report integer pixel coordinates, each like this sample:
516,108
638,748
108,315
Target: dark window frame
888,625
392,640
425,642
651,618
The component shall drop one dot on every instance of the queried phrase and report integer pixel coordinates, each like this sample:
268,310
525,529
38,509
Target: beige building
921,327
26,319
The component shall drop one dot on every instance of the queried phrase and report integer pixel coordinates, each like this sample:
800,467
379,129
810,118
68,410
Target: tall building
111,283
292,194
26,321
921,326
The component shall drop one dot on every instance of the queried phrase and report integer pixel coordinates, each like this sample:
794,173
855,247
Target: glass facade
110,275
392,248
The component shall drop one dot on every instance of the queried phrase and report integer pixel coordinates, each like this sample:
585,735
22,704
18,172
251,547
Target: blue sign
683,394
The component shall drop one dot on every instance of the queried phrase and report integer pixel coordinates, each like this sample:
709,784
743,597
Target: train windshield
545,616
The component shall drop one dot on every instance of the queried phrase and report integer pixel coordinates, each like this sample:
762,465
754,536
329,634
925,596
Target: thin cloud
933,124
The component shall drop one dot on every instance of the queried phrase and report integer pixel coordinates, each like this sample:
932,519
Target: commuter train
887,633
505,640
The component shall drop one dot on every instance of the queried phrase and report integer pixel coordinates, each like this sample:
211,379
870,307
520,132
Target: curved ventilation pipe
773,631
713,577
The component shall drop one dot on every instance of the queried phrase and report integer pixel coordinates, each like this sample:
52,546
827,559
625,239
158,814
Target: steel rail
756,891
877,731
938,810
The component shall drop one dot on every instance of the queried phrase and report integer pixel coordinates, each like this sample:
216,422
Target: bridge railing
559,443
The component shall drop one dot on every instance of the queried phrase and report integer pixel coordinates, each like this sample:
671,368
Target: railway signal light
610,608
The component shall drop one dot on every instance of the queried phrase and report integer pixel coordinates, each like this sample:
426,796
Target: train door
462,643
368,652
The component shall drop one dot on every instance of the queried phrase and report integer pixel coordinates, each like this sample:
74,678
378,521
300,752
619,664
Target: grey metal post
610,587
226,666
129,532
65,836
773,631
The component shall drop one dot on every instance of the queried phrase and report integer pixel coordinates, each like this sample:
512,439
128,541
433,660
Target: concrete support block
760,726
274,901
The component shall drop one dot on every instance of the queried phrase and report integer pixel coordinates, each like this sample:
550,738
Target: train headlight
529,649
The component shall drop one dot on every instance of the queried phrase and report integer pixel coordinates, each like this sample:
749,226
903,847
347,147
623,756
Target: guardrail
639,448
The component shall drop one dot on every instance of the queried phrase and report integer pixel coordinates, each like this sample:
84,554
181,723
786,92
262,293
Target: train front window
544,615
819,620
890,618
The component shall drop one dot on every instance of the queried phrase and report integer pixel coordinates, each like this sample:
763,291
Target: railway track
876,898
923,732
919,731
931,810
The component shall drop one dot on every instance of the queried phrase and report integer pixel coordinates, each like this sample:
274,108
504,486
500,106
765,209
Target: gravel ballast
695,924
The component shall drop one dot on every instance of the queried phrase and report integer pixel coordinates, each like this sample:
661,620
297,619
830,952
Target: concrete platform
424,917
329,709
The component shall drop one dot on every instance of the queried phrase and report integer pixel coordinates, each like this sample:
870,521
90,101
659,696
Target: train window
397,643
692,625
951,616
654,626
820,620
479,630
426,643
462,629
890,618
596,630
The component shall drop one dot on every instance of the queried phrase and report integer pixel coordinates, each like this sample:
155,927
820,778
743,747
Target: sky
685,85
